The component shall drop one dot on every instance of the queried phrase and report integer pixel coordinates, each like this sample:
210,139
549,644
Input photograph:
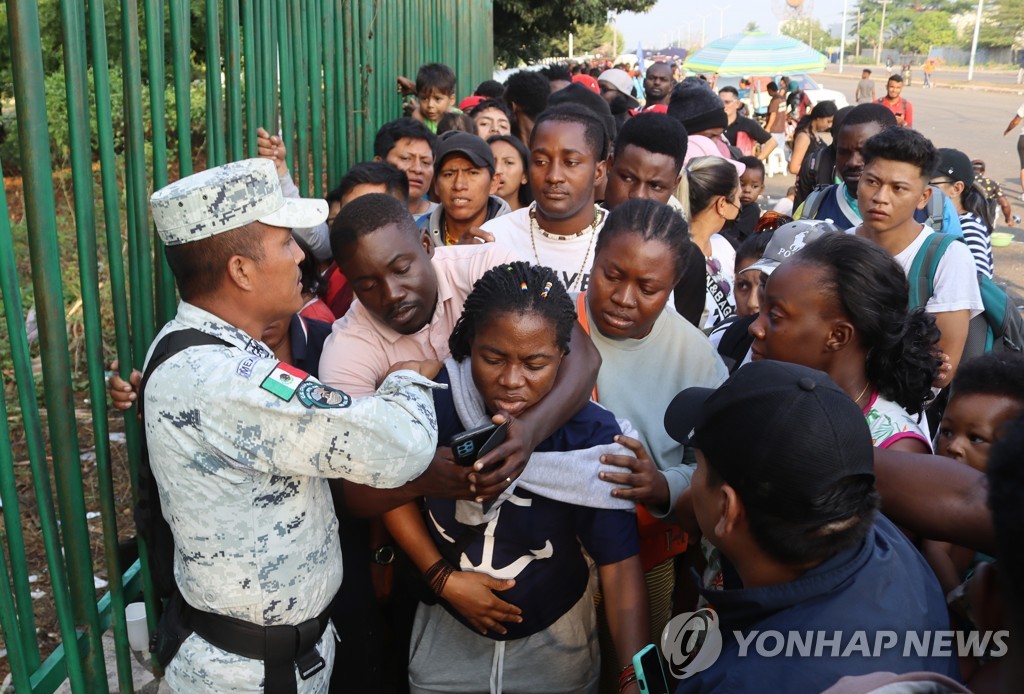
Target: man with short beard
658,85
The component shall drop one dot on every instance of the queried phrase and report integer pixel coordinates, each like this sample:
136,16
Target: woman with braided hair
514,606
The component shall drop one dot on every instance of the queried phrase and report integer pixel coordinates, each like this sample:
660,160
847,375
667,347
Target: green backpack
998,328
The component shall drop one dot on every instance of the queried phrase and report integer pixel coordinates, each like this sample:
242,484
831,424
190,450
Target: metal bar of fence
180,51
328,53
250,78
165,300
33,138
76,83
297,26
282,20
315,64
232,80
215,154
135,167
118,293
19,623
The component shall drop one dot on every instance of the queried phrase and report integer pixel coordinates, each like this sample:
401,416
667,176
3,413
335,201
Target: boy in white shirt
897,165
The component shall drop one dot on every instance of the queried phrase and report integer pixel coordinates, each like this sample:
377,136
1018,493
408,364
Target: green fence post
316,94
19,625
296,26
214,94
48,296
181,54
251,78
282,20
233,76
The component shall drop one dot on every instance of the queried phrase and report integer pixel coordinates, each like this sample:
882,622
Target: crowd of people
686,401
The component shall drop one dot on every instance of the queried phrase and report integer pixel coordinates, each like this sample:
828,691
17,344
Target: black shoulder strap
149,518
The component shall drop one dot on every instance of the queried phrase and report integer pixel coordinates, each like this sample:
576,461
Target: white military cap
227,197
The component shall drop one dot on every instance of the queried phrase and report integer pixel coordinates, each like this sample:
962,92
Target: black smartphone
470,446
650,674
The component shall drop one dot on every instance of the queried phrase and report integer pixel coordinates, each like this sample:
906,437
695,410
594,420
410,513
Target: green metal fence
321,72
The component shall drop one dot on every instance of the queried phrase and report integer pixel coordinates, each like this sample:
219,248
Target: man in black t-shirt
743,132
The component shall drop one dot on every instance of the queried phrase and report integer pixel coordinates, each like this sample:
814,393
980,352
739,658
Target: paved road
971,120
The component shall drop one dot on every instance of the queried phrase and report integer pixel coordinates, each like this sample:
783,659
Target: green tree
911,26
523,29
806,29
588,39
751,26
1003,24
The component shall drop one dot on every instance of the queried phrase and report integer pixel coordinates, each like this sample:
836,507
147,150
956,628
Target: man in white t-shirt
898,163
568,149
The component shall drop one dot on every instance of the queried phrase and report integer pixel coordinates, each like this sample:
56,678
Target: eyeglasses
714,267
941,182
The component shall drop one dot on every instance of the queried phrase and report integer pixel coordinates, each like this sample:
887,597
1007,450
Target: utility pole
974,42
881,33
703,26
721,21
858,32
570,45
842,40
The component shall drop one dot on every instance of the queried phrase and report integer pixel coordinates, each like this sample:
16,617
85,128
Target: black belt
281,648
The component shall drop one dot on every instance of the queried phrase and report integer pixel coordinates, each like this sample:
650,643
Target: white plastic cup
138,629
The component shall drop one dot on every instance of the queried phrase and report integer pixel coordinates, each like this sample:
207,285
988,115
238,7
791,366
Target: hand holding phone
469,446
650,673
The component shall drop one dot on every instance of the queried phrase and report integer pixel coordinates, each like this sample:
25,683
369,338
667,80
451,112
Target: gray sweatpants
446,656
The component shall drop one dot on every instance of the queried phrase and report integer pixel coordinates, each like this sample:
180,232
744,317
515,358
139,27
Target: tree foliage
1003,24
806,29
911,26
524,29
588,39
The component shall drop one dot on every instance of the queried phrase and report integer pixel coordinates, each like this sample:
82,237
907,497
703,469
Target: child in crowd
747,284
955,177
986,396
987,393
435,92
751,187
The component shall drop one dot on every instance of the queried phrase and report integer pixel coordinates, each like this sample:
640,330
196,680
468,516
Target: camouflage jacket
241,446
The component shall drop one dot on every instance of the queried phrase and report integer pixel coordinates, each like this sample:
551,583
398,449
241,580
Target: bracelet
626,676
437,576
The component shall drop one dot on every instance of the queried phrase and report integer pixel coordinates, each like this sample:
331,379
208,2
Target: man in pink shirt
409,296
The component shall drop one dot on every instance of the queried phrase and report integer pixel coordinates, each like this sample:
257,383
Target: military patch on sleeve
284,380
313,394
245,367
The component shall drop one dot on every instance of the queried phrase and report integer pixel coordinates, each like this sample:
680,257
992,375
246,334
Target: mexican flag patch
284,380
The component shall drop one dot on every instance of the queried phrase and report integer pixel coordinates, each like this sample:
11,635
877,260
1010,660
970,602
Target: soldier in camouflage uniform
240,444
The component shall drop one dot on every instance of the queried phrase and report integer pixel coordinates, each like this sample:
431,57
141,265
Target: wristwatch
384,555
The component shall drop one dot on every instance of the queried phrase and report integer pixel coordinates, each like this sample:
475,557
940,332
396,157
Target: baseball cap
471,146
956,165
471,102
227,197
801,435
788,240
587,81
620,81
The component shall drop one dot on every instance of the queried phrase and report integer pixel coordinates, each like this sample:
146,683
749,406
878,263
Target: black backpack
150,523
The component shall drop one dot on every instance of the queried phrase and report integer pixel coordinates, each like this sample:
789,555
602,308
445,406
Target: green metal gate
322,72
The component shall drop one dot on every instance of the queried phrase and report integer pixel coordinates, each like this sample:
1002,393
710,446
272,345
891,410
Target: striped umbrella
755,53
